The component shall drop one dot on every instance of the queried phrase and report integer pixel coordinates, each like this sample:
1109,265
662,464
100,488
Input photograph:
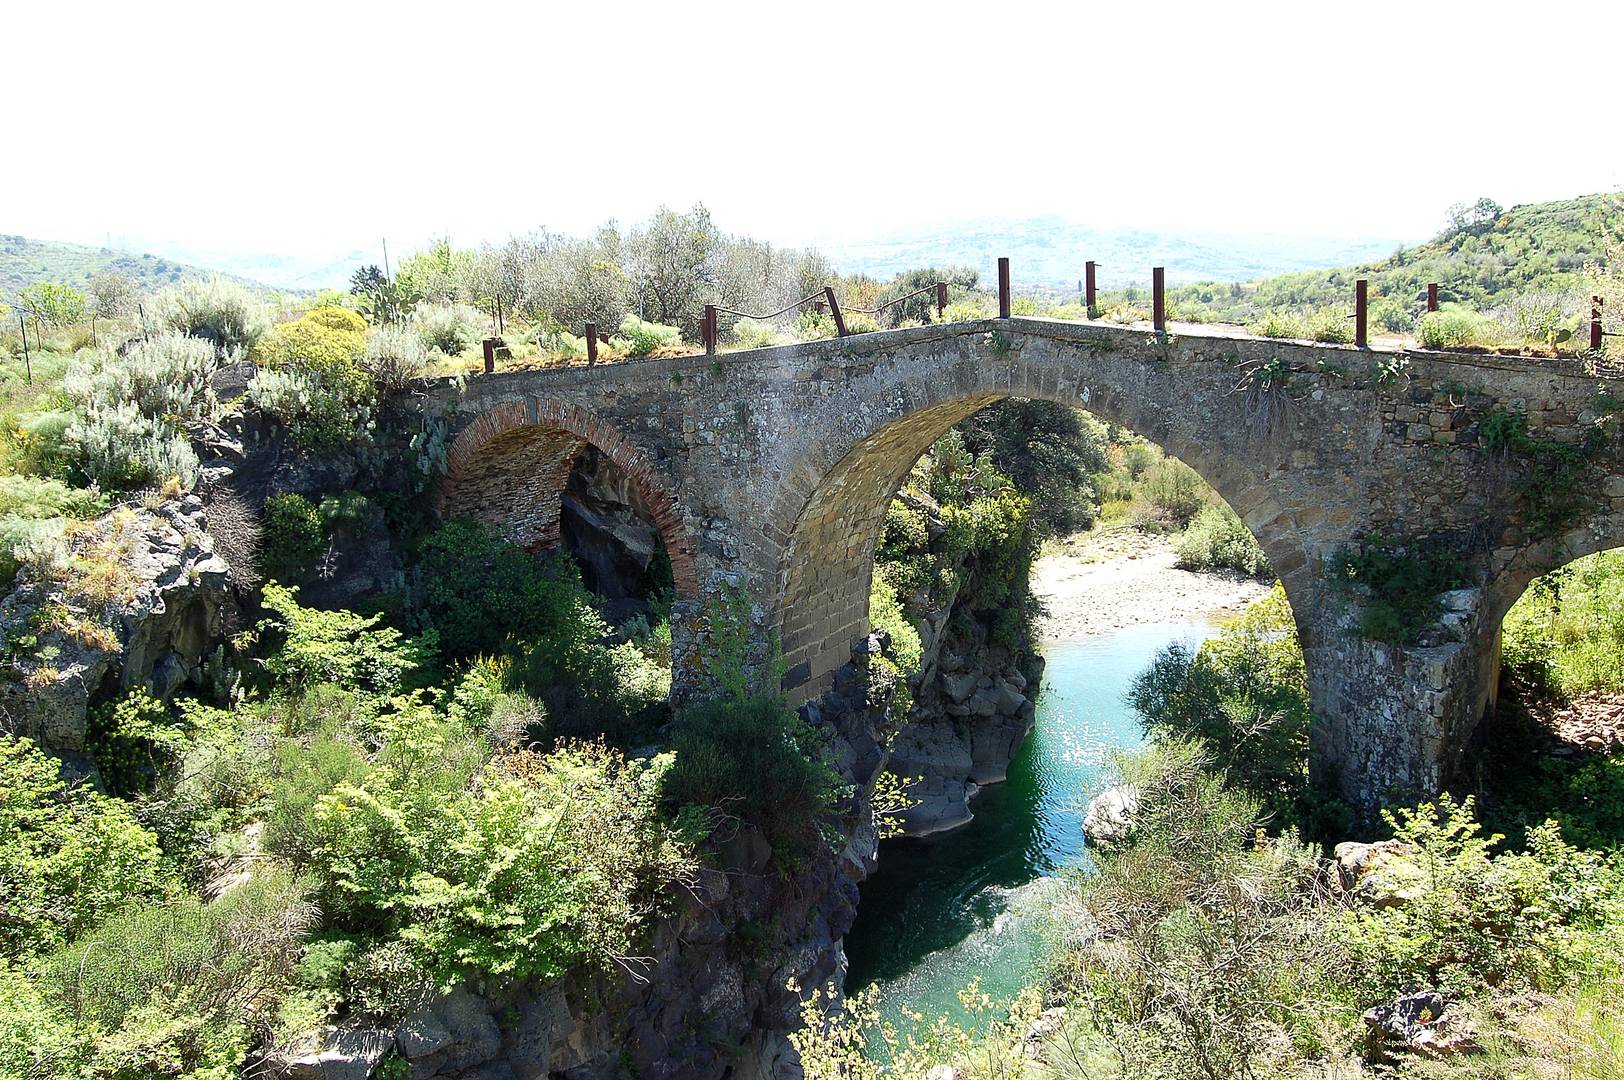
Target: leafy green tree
67,854
52,304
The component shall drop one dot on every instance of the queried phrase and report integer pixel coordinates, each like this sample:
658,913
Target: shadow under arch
821,604
510,467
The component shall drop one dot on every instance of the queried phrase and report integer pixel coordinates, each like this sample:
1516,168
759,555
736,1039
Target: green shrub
755,334
122,449
551,861
451,328
348,510
1457,328
314,381
1279,324
1217,539
304,769
1398,583
1476,919
646,338
335,646
183,989
318,416
293,536
336,318
216,310
1566,632
52,304
132,739
38,444
1174,492
1330,325
32,510
1244,697
1203,954
67,854
755,760
475,589
396,359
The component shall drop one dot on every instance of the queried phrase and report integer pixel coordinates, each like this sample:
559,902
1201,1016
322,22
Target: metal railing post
1003,288
489,348
834,309
941,300
1091,293
1432,296
1158,298
1361,312
1595,324
591,343
708,330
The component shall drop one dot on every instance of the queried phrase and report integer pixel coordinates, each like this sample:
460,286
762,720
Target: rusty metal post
1595,324
591,343
1432,296
1361,312
941,300
489,346
1158,298
1003,288
1091,292
708,330
834,309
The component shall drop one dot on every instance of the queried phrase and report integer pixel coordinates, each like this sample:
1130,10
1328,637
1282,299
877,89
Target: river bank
1103,581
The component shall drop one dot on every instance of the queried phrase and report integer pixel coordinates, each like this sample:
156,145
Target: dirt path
1120,577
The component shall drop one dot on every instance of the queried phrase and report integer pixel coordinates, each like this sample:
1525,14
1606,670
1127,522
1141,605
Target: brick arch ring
509,467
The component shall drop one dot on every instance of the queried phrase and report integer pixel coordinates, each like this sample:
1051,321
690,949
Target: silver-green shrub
122,448
396,358
214,309
316,414
164,377
451,328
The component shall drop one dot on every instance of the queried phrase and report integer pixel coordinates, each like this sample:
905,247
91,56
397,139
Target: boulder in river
1110,815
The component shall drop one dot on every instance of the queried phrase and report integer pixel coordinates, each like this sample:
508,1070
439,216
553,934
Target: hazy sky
319,127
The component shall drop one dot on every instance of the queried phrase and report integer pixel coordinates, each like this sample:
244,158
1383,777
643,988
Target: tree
53,304
673,266
114,293
1473,218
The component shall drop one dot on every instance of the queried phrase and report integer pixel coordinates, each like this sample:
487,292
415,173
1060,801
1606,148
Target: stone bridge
770,471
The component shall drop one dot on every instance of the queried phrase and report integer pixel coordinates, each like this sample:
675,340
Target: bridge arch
834,515
510,465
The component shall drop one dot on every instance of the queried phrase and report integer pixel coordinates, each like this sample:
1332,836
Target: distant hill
24,261
1048,253
1482,260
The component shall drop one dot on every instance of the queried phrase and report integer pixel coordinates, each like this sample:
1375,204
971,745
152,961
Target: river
971,903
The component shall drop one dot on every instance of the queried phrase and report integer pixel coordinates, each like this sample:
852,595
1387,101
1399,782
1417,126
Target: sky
323,127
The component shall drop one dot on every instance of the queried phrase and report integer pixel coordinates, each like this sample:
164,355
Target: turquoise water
972,903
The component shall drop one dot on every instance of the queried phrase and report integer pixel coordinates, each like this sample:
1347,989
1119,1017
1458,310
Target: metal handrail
771,315
927,289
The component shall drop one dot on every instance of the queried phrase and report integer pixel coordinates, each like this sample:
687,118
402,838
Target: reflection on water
972,903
